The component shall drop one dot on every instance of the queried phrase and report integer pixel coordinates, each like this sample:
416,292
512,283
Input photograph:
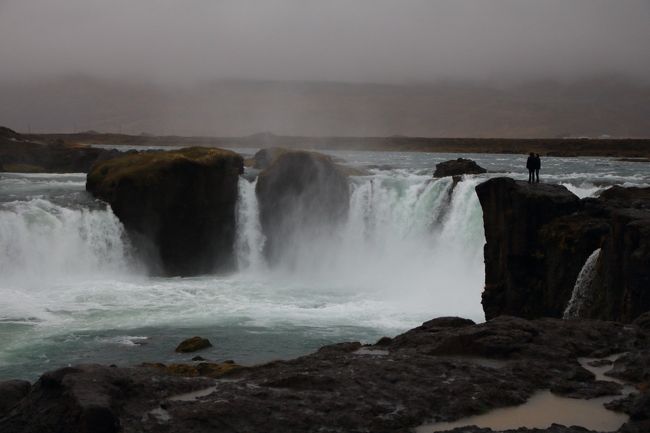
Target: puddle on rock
545,408
194,395
600,370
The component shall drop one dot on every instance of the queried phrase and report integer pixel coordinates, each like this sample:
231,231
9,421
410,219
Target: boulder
178,206
538,238
264,157
193,344
69,399
300,194
458,167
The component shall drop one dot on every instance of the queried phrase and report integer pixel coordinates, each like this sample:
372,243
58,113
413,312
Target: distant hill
591,108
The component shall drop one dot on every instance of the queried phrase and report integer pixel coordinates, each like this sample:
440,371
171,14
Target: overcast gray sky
336,40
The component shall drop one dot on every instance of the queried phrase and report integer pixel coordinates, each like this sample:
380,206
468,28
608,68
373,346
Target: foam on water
410,249
44,242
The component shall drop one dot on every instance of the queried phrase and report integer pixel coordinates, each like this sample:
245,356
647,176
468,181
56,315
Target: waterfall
42,241
249,242
405,234
581,295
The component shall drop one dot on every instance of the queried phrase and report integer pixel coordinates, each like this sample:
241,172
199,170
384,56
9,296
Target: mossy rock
146,169
193,344
458,167
178,206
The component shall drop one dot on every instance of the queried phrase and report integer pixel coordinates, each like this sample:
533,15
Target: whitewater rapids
72,289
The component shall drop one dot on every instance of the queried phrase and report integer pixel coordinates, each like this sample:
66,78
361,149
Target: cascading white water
407,237
249,242
409,250
580,296
42,241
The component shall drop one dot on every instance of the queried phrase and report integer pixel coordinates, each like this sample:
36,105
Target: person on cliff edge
538,166
530,165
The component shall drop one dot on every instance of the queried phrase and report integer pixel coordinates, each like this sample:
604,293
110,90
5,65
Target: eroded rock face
622,281
539,237
458,167
301,194
179,205
444,370
516,267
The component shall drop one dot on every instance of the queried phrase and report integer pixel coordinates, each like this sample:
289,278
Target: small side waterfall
582,290
249,243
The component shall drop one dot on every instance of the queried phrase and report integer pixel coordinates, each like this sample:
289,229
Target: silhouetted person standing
538,166
530,165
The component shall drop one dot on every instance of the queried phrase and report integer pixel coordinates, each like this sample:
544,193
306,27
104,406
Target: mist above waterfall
406,237
409,248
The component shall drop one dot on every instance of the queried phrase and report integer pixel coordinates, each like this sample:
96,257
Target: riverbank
444,370
567,147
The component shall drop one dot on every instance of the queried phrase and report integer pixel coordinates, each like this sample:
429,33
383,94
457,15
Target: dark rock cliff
300,194
539,236
179,206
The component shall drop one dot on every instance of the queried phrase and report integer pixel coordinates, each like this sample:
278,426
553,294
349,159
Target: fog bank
334,40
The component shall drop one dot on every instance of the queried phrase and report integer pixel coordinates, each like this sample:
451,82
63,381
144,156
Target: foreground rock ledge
178,206
446,369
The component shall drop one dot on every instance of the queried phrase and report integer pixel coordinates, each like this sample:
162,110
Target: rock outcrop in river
539,237
263,158
300,194
444,370
179,206
458,167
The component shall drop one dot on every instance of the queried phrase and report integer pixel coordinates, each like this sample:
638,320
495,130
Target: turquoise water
72,290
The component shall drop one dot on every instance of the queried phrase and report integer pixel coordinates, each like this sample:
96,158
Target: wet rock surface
458,167
193,344
539,237
178,206
444,370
